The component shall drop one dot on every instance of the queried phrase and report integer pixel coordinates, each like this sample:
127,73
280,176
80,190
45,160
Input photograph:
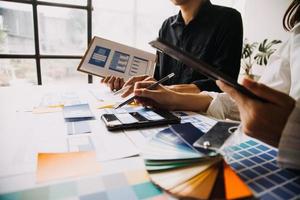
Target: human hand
113,82
264,121
130,83
161,97
184,88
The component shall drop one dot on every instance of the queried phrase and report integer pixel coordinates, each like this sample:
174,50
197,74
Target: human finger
143,84
232,92
151,94
105,79
111,82
267,93
134,79
117,84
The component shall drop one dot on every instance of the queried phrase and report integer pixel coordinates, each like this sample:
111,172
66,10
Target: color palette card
199,181
172,148
128,185
188,172
255,163
77,112
54,102
54,166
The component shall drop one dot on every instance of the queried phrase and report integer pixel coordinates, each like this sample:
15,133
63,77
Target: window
43,41
137,22
131,22
48,51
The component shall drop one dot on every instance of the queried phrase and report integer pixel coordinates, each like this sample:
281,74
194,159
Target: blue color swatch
256,164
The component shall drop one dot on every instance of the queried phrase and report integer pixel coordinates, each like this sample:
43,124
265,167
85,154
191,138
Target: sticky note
52,166
235,188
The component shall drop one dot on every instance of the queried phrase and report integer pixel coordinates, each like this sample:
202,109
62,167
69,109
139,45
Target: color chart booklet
107,58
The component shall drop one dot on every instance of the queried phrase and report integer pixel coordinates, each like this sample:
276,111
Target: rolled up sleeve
222,106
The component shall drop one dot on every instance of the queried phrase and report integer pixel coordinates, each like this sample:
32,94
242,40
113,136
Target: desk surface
24,134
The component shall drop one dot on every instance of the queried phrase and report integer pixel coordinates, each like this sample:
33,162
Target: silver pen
150,87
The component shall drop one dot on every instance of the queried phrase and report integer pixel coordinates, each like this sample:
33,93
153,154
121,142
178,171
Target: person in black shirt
210,33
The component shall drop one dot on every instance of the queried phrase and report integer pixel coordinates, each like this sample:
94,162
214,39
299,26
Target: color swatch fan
185,171
171,148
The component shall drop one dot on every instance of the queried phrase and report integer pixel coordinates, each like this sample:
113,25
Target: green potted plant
247,60
254,53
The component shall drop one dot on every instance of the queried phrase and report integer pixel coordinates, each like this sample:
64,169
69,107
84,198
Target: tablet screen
137,117
150,115
141,115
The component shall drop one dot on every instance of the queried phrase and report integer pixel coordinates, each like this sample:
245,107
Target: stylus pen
150,87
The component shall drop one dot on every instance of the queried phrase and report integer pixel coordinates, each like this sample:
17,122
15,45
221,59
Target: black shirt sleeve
228,50
157,67
157,74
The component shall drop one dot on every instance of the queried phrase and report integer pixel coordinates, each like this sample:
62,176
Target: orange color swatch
235,188
52,166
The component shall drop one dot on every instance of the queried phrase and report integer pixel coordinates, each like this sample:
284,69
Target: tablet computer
200,66
138,118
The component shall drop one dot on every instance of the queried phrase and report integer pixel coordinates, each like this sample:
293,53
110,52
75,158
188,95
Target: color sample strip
52,166
255,163
204,188
78,127
133,185
235,188
171,178
198,187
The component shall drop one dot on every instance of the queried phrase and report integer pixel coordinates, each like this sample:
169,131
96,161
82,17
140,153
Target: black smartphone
138,119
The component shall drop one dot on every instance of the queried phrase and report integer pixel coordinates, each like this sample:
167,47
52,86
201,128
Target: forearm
184,88
192,102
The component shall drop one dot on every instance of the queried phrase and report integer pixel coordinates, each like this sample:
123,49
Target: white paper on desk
17,149
107,58
104,94
114,146
59,99
111,145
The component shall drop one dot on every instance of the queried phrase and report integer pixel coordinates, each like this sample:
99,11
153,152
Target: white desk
24,134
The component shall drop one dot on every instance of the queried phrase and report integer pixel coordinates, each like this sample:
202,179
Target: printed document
107,58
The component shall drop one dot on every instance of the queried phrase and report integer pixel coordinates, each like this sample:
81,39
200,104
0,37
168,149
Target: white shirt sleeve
295,63
222,106
282,74
289,145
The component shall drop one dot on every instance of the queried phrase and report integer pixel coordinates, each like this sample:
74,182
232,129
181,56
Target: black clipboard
200,66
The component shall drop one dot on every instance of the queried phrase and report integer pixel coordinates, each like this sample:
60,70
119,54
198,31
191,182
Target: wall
263,19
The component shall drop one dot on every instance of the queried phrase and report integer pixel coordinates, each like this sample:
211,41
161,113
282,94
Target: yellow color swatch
200,186
171,178
52,166
235,188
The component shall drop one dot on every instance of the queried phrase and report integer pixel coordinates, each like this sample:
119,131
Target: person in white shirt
282,75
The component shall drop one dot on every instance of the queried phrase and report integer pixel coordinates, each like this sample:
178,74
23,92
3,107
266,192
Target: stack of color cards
206,180
185,171
167,149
